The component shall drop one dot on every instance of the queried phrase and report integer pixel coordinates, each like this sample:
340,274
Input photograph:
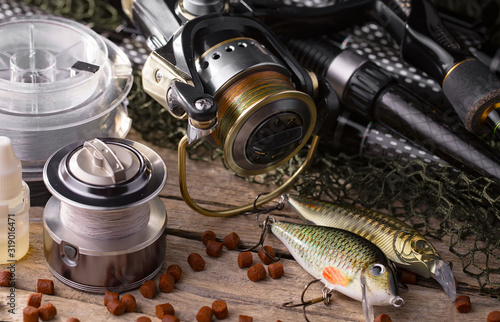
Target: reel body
232,80
237,86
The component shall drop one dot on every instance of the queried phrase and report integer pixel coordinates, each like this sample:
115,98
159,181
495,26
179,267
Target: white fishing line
105,224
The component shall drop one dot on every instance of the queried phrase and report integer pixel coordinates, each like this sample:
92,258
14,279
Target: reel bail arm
241,209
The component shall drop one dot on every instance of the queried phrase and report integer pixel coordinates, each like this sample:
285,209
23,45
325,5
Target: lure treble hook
325,298
280,205
266,227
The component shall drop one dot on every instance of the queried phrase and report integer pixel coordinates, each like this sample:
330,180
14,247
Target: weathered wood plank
181,222
212,186
223,279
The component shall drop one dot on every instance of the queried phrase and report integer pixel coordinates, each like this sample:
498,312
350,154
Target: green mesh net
461,209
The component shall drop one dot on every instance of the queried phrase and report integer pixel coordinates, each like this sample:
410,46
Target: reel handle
241,209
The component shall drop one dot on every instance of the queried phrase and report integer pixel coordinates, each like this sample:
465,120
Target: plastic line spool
104,227
60,82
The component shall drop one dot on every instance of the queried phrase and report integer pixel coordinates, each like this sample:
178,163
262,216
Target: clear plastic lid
36,65
60,82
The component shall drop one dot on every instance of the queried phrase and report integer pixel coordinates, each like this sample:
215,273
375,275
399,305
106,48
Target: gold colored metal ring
314,79
249,112
237,210
203,125
484,116
180,10
451,69
250,101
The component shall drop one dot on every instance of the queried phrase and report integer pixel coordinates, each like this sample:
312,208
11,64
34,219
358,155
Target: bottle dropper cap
11,174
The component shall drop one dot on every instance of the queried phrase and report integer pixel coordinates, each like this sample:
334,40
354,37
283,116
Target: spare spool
60,82
104,227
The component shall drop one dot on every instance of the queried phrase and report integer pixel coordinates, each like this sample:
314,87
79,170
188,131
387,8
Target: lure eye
377,269
422,245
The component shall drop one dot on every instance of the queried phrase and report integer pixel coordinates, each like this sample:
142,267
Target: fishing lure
401,243
343,261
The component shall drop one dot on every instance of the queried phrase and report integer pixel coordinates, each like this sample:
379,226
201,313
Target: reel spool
263,119
60,82
104,227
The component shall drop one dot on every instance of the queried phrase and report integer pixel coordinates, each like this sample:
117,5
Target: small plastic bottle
14,206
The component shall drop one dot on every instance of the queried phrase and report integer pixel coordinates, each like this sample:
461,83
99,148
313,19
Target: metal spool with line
104,227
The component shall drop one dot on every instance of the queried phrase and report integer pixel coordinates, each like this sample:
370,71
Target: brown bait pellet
219,307
205,314
245,318
5,278
245,259
276,270
116,307
47,311
175,271
170,318
196,262
463,304
72,320
206,236
256,272
164,309
108,296
264,258
130,302
143,319
148,289
30,314
493,317
45,286
214,248
35,300
231,241
407,277
383,318
166,283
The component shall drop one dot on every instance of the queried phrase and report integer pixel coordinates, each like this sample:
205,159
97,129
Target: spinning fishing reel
237,86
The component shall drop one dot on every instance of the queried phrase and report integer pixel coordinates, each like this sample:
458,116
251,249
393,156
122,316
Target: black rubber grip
471,88
364,86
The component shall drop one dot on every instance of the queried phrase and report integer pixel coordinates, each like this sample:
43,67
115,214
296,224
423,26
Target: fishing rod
368,90
426,43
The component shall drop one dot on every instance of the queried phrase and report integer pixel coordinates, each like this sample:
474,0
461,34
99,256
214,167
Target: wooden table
212,186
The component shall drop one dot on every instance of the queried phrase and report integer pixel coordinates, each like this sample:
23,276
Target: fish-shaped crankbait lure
400,242
343,261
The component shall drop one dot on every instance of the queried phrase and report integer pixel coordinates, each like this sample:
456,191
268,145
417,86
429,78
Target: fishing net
460,208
